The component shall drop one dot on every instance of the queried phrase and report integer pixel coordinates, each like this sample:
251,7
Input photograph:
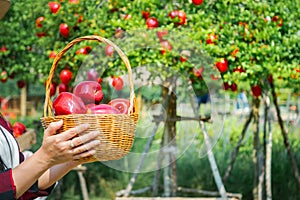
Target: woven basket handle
48,102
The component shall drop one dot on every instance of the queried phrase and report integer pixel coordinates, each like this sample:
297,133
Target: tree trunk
170,176
168,144
256,151
23,100
237,148
267,149
285,137
211,158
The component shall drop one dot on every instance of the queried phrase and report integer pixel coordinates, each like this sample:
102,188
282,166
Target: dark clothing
7,186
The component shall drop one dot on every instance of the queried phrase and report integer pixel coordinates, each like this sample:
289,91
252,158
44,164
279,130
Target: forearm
28,172
54,174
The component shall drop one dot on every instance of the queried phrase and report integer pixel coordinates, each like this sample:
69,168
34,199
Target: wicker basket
117,130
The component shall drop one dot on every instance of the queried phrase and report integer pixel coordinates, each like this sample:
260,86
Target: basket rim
48,102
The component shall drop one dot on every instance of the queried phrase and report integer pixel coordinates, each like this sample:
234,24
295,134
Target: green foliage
260,37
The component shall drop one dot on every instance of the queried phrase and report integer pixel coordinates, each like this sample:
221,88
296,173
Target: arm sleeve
7,186
34,191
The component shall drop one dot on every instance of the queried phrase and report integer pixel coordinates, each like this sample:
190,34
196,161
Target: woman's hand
71,145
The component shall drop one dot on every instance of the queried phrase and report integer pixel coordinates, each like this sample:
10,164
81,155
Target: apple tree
251,45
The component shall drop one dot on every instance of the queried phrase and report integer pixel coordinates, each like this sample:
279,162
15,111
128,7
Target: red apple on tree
39,20
21,83
162,33
52,54
65,76
62,88
178,14
152,22
73,1
3,76
211,39
18,129
64,29
166,46
67,103
3,49
52,89
54,7
109,50
197,2
89,92
92,75
233,87
222,65
145,14
117,83
226,86
82,50
256,90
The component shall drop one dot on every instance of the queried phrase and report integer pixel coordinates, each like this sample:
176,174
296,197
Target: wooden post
80,170
23,99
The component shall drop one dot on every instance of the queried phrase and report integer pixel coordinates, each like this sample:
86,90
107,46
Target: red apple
89,92
92,75
166,46
18,129
21,83
120,104
52,89
162,33
178,14
82,50
233,87
41,34
109,50
65,76
211,39
117,83
3,76
198,72
256,90
64,29
67,103
103,109
119,33
145,14
152,22
52,54
62,88
197,2
54,7
3,49
73,1
270,78
239,69
226,86
222,65
38,21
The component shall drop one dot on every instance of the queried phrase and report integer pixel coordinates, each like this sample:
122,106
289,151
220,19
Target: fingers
72,132
85,150
77,141
53,127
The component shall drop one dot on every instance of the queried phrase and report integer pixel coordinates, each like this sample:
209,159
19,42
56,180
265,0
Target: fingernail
58,122
96,133
85,125
97,142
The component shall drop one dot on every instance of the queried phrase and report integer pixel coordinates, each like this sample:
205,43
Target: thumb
53,127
